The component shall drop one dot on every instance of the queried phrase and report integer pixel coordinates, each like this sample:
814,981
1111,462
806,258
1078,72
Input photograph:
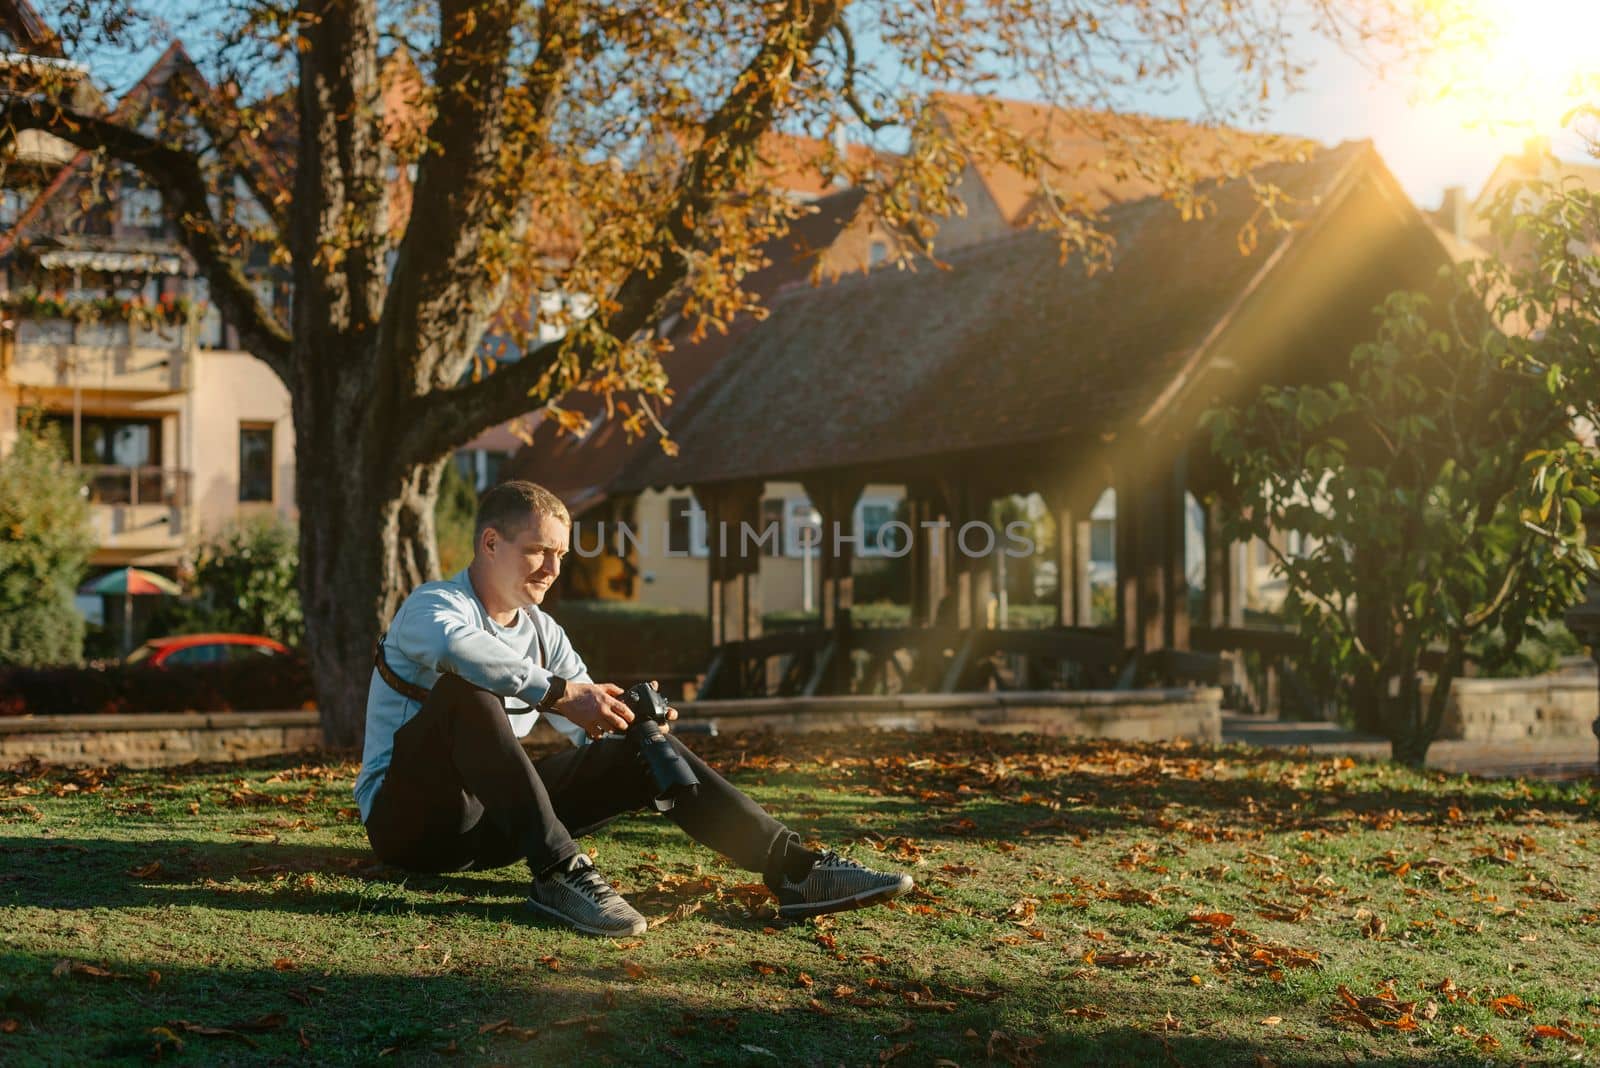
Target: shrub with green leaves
1438,483
45,542
245,581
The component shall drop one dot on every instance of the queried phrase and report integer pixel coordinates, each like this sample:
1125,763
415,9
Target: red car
205,649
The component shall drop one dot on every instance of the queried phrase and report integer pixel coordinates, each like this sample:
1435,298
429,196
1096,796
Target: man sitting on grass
464,671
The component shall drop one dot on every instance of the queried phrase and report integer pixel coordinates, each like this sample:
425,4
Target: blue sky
1429,144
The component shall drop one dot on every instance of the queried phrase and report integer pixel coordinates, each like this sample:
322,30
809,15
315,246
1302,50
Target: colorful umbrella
131,580
128,583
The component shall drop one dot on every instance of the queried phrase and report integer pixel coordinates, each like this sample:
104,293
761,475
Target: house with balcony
107,335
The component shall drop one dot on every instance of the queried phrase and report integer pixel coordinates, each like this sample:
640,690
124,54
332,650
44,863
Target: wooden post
1067,607
1153,560
835,497
971,575
1127,553
1083,544
1175,598
930,556
1069,509
733,571
1219,568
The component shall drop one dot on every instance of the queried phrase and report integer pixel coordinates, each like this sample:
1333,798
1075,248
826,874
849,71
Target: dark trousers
461,793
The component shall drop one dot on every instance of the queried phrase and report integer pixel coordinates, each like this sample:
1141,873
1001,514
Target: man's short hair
510,506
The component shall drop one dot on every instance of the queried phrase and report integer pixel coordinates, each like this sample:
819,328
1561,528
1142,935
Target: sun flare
1516,64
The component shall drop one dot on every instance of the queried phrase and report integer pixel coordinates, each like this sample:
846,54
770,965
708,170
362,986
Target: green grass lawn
1076,903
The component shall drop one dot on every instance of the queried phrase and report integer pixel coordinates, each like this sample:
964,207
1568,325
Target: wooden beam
733,570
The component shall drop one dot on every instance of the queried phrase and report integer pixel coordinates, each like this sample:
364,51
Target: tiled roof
1087,174
795,163
1007,346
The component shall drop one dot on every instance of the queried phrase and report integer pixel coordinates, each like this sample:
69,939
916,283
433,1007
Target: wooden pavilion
1012,372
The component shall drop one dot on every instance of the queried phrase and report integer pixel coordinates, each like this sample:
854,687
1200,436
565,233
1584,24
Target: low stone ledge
178,738
155,721
1125,715
1507,710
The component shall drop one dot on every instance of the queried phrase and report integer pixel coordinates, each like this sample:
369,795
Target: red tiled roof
1087,174
796,163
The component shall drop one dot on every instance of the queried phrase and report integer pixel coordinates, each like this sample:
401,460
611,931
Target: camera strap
419,693
388,674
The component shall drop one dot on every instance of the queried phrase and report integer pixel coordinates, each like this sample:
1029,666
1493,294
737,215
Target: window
872,514
111,441
255,463
686,526
198,654
141,207
480,467
12,203
877,253
1103,540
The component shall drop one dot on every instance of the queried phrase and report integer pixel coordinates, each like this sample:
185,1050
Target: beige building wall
8,413
678,582
234,390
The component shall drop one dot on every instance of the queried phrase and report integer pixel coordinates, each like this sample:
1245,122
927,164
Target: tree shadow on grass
678,1010
85,874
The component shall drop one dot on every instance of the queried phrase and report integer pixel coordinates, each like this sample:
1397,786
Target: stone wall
1126,715
159,740
1505,710
156,740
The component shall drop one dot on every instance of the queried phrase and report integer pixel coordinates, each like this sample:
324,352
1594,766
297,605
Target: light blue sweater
443,627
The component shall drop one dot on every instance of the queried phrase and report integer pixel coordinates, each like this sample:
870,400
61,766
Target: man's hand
672,713
594,707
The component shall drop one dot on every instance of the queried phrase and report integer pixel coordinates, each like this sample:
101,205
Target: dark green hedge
246,686
617,639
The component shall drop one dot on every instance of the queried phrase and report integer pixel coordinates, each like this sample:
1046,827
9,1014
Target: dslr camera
674,778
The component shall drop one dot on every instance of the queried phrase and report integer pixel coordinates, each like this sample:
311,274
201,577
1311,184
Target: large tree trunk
365,543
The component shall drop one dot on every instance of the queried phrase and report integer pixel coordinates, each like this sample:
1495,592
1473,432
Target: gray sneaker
835,884
580,897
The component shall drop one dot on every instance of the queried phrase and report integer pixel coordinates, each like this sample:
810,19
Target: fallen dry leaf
1086,1012
1508,1005
1543,1031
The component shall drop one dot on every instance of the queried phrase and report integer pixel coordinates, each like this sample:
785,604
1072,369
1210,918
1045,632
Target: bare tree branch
842,30
446,418
258,170
177,173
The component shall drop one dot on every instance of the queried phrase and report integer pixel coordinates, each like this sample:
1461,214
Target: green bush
453,514
45,542
617,638
246,582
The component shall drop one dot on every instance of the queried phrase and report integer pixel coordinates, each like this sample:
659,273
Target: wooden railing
1260,669
112,484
